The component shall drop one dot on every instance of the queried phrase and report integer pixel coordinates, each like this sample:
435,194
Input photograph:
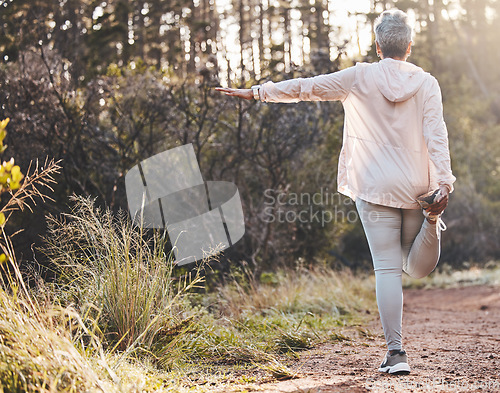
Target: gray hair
393,33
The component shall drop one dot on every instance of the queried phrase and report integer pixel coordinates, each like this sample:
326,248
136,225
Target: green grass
120,318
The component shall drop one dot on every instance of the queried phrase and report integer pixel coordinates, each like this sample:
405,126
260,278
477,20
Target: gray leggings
399,239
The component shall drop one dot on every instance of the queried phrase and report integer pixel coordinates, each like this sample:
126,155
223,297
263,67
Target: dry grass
36,350
317,291
447,277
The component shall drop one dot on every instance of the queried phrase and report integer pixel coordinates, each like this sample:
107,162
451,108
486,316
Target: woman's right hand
247,94
441,203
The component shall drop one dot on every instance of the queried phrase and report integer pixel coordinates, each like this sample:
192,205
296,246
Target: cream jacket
395,144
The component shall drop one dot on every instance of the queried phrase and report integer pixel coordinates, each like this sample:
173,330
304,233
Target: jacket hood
398,80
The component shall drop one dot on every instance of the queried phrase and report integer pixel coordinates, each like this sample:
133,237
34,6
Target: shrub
120,278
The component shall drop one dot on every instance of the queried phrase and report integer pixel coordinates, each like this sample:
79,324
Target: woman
394,161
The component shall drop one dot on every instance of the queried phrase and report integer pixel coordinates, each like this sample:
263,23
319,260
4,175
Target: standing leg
382,226
421,244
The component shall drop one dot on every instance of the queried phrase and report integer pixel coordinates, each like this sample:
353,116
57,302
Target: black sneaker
395,364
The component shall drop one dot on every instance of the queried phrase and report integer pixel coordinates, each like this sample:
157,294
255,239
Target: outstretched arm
328,87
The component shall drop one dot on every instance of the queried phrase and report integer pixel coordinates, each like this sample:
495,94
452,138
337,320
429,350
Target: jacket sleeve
328,87
436,136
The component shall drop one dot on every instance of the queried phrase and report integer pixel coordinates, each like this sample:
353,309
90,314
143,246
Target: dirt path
452,337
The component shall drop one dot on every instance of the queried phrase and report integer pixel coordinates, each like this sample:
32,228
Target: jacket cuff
448,186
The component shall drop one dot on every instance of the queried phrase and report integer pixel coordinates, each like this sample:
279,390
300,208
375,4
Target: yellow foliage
3,133
8,165
10,174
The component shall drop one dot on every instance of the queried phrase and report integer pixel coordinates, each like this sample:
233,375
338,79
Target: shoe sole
397,369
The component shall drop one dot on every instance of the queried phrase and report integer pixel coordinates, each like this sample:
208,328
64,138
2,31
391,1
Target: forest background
102,85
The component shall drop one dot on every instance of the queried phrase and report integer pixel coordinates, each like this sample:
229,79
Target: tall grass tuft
36,354
120,279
